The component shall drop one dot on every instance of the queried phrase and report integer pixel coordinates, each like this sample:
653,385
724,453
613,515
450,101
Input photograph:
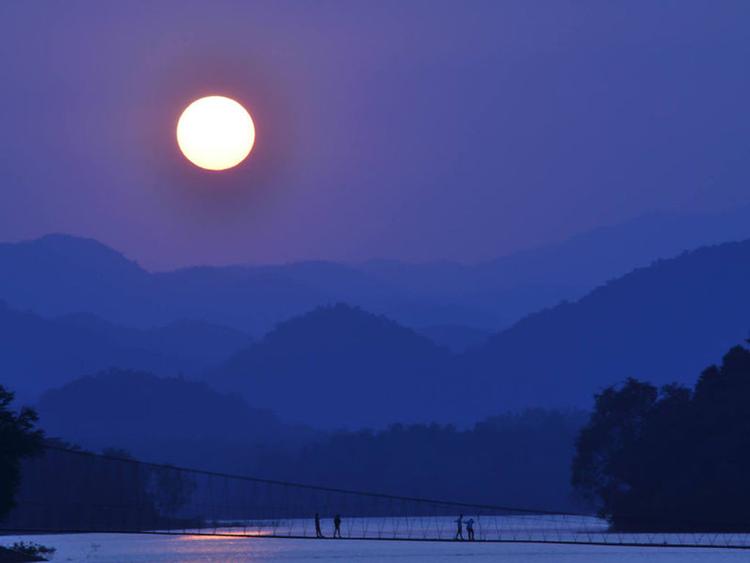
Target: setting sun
215,133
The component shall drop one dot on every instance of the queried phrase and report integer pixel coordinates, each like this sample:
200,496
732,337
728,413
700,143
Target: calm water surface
189,549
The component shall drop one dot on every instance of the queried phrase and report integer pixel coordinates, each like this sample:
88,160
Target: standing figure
337,526
470,529
460,530
318,533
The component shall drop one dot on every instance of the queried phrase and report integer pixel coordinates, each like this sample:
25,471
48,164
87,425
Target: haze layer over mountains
348,346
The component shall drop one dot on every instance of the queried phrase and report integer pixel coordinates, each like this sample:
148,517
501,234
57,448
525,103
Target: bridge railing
74,491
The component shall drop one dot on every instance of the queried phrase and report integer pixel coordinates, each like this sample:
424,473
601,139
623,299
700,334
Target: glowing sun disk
215,133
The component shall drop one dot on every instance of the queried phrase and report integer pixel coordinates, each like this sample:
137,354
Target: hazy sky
400,129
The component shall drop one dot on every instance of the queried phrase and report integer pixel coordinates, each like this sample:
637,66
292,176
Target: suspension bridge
71,491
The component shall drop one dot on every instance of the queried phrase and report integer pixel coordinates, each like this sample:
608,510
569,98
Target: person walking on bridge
337,526
318,532
460,530
470,529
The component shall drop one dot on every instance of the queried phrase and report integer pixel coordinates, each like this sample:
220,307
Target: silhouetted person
460,530
318,533
470,529
337,526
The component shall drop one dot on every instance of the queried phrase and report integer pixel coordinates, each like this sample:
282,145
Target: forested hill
37,353
164,419
663,322
341,367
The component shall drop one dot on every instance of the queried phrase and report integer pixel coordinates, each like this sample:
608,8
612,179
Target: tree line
649,459
672,458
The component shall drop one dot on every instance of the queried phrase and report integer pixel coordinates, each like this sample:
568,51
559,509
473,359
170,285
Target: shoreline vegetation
671,458
22,552
693,438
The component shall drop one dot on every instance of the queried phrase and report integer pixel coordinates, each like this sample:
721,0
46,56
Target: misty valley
339,397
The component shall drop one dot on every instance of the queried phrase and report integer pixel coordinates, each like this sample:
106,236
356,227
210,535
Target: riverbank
14,556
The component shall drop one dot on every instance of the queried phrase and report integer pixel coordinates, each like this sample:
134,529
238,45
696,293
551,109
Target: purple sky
399,129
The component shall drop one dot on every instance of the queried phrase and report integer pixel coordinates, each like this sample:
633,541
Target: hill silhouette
39,353
162,419
60,274
662,322
507,458
340,367
521,459
510,287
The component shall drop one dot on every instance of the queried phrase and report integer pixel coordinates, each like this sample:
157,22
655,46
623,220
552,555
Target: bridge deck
68,491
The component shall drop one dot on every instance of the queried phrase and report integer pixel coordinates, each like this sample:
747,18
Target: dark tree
671,459
19,438
601,468
172,489
518,459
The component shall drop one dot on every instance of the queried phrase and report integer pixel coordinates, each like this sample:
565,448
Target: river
124,548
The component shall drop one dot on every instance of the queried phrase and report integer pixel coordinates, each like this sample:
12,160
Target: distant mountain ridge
342,367
663,323
530,280
59,274
38,353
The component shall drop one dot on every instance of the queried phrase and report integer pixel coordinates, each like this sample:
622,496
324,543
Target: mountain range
340,366
663,323
76,307
38,353
59,274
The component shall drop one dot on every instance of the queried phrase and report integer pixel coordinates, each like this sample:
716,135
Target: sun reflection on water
227,534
